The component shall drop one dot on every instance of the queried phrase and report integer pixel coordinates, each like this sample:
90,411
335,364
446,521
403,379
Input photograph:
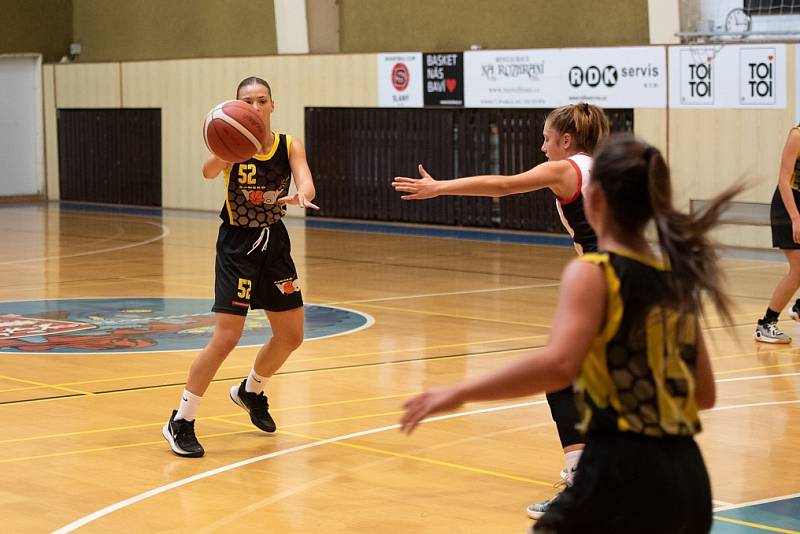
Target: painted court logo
142,325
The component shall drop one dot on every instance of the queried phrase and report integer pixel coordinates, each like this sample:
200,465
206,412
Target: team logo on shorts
288,286
143,325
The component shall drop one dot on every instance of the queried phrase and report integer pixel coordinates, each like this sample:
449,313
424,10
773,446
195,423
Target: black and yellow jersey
254,186
639,375
794,181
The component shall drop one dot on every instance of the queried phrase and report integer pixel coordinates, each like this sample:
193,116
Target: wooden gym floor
396,309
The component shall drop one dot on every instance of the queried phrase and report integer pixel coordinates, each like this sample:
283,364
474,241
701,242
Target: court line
440,463
758,526
758,377
759,501
763,367
43,385
164,233
316,405
489,353
232,414
767,350
752,405
448,293
455,316
300,360
200,476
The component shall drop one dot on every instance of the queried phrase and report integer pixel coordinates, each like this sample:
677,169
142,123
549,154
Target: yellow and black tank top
795,179
254,186
639,373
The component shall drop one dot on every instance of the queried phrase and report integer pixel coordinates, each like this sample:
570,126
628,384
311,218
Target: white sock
571,463
255,382
187,409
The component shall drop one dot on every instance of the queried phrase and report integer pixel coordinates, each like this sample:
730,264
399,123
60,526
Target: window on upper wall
772,7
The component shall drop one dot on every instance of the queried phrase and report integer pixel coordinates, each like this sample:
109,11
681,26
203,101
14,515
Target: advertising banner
730,76
400,80
444,79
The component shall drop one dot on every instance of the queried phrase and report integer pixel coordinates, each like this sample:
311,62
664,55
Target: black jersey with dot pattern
639,375
255,185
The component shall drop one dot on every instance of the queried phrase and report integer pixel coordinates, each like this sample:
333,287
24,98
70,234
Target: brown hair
587,123
636,182
253,80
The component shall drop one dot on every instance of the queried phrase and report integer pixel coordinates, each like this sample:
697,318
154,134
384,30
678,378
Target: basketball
233,131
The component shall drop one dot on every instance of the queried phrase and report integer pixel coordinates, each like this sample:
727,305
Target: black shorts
628,483
781,223
254,269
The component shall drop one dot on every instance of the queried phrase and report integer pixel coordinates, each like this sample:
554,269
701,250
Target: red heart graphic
451,84
770,58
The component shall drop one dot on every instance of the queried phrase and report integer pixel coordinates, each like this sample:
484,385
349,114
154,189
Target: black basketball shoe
179,433
256,405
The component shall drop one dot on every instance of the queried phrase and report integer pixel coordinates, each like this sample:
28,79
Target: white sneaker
770,333
538,509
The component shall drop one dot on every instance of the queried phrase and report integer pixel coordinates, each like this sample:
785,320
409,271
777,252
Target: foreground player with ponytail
571,133
630,339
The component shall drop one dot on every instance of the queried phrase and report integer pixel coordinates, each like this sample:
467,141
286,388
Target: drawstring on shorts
264,230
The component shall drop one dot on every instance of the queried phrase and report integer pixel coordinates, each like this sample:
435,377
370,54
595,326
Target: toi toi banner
733,76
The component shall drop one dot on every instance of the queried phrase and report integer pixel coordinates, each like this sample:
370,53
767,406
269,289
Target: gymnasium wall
186,89
154,29
447,25
708,149
36,26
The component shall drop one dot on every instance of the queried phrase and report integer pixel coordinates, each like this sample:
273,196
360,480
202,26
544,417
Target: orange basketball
234,131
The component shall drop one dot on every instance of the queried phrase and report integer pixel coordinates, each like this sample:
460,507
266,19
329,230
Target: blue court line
781,515
496,236
111,208
448,232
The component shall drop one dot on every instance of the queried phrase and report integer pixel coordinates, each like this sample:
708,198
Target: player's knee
291,339
226,340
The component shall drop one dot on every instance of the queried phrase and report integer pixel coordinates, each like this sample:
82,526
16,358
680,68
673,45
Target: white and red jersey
571,209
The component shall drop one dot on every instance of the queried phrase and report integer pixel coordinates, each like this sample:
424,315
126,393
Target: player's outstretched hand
298,199
434,400
417,188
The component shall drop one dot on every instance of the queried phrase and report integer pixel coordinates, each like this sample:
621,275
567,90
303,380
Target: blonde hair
587,123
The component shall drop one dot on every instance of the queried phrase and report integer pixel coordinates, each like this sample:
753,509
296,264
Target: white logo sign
511,78
696,74
757,75
625,77
400,80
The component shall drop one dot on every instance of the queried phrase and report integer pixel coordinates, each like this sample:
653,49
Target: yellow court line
167,386
764,352
440,463
342,357
217,418
455,316
102,449
41,384
756,525
731,371
221,418
146,425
